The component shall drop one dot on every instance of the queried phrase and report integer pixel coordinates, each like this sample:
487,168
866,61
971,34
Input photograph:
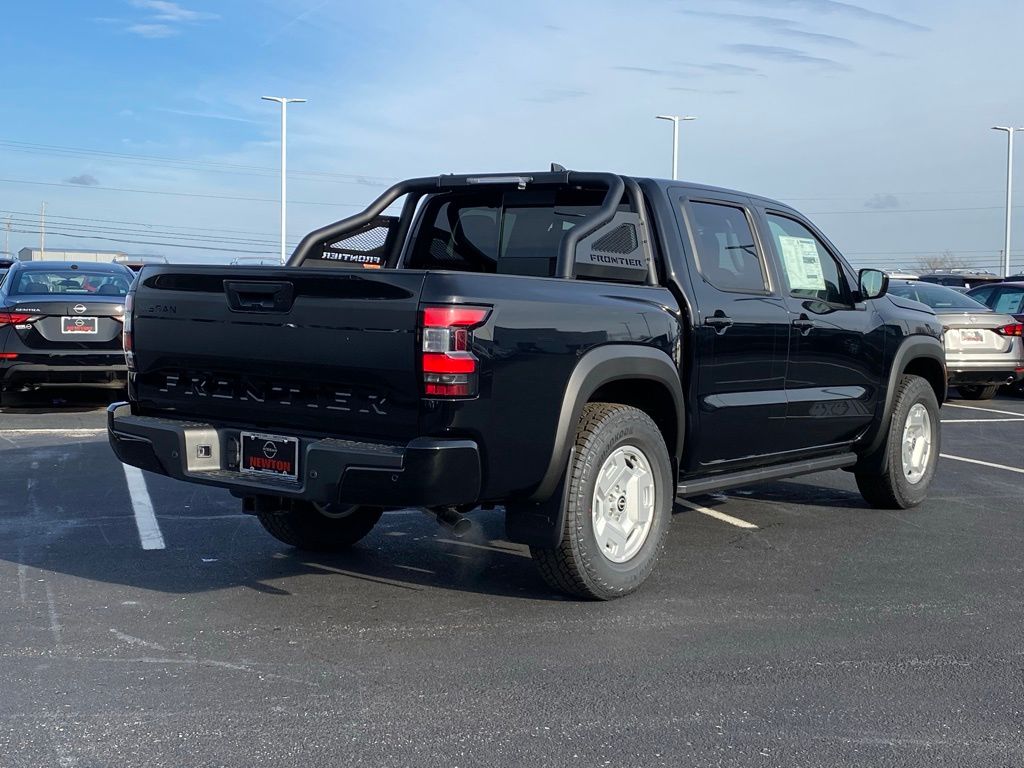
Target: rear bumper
984,374
425,472
31,370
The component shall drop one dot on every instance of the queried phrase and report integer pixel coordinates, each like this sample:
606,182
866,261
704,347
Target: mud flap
539,524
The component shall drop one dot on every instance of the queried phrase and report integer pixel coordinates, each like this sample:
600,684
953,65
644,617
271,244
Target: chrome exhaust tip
450,518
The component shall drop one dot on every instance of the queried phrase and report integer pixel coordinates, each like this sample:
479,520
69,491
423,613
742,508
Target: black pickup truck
578,348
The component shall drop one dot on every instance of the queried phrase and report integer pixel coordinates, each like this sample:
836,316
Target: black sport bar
612,182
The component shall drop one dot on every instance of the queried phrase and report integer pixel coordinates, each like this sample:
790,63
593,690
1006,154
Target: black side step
752,476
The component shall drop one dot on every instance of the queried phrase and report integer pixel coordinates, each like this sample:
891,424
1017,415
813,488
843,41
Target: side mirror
872,283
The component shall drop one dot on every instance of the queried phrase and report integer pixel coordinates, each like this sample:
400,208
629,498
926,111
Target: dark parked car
984,348
60,324
1005,297
960,278
579,348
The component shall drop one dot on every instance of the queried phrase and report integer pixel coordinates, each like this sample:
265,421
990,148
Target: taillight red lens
449,367
461,363
445,317
13,318
1013,329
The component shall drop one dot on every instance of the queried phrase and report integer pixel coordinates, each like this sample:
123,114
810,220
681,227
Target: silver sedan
984,349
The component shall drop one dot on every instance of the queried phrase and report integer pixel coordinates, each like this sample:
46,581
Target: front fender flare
874,457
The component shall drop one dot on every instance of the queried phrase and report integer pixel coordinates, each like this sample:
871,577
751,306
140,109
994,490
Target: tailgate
295,350
86,323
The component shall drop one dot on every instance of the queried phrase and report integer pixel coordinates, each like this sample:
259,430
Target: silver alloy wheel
623,508
917,443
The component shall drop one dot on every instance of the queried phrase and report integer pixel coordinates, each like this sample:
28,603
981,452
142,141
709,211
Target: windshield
937,297
70,281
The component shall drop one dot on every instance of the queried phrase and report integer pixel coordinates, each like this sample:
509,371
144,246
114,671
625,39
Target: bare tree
948,260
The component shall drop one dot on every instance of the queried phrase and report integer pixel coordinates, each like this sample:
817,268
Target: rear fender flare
600,366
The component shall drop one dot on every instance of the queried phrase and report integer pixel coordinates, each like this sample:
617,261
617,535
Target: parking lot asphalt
153,624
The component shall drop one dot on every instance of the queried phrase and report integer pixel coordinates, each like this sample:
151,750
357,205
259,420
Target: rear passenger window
810,270
726,251
984,295
1008,300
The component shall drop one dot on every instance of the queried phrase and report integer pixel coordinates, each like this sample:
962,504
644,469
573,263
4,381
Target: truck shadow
60,400
225,552
796,492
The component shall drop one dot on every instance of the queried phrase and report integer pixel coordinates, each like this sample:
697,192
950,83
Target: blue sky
872,117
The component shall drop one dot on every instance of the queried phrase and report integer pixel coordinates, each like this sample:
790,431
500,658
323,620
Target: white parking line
51,607
716,514
145,517
986,410
983,463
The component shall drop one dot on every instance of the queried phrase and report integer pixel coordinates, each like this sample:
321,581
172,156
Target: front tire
911,446
304,526
618,508
977,392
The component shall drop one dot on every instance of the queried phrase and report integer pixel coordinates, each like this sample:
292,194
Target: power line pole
284,102
42,232
1010,130
7,237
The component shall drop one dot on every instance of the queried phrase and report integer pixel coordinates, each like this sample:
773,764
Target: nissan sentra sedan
984,349
61,324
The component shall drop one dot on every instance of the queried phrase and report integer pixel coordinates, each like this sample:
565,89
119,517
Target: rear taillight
14,318
1013,329
449,367
126,332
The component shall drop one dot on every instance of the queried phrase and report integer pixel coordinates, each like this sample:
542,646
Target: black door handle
804,324
719,321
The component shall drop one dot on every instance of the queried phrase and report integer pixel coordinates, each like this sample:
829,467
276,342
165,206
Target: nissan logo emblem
79,308
269,450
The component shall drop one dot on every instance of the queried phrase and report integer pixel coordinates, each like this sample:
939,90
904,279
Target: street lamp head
675,118
282,99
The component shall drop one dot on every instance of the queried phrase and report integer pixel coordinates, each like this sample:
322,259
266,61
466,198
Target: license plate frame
970,337
265,455
76,325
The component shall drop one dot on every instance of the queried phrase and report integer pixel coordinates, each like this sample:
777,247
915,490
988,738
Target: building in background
56,254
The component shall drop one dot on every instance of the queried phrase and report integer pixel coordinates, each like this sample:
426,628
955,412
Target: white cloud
163,19
172,12
151,30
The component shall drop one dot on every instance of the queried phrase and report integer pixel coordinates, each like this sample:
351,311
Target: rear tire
977,392
611,538
304,526
908,473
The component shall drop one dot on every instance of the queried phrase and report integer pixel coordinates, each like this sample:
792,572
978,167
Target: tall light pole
284,102
1010,130
675,139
